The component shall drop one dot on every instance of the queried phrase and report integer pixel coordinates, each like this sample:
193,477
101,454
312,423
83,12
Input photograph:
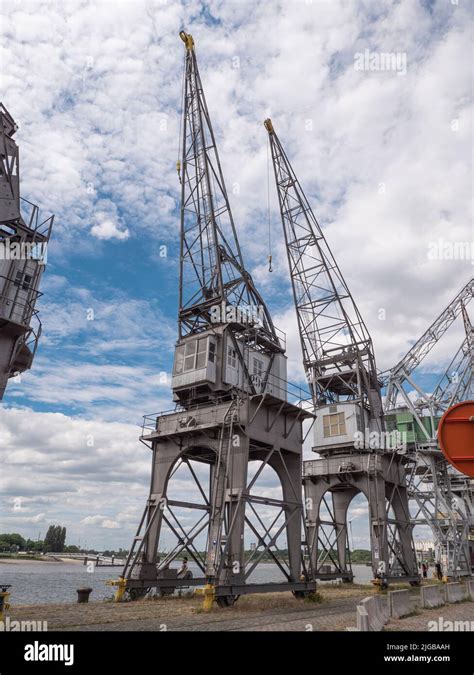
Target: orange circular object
456,436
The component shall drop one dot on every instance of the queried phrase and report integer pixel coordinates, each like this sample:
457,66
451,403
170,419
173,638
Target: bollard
121,584
83,594
4,596
209,594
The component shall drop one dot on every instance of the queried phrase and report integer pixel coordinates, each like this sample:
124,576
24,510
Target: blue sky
384,159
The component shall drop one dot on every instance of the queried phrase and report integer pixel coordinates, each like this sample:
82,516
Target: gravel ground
272,611
463,611
266,612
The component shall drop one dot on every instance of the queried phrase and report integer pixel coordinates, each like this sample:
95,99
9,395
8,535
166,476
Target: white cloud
107,229
96,94
27,520
101,521
73,469
106,122
108,524
103,359
101,391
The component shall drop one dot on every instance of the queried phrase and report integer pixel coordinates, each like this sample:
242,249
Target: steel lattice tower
339,361
229,384
457,382
400,374
23,241
440,495
211,266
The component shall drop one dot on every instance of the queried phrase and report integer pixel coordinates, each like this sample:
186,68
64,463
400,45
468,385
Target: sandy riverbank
43,559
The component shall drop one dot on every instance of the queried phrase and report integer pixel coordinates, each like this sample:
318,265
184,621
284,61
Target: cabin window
179,360
201,353
212,351
334,425
258,368
231,357
190,356
23,280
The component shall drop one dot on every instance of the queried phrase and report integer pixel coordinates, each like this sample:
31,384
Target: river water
43,582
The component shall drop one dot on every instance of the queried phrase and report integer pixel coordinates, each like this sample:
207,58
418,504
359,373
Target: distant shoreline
20,560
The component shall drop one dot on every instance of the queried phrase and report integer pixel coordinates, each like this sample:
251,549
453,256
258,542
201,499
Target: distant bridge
96,558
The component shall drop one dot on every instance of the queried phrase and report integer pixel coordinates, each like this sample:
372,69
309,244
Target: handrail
301,400
33,220
27,307
19,283
29,317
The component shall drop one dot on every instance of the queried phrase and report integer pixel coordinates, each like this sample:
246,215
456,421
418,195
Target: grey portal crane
232,406
24,237
339,362
441,497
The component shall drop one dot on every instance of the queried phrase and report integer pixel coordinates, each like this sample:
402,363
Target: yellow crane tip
187,39
269,126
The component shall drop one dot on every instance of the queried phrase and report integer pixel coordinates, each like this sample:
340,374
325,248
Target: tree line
54,541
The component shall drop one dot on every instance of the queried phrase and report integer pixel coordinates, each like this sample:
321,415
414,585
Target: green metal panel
405,422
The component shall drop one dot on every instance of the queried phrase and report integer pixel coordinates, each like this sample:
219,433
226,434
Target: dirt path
274,611
319,618
270,612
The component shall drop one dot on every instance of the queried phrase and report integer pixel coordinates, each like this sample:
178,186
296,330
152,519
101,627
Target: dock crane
232,407
24,236
400,375
441,496
457,383
339,362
